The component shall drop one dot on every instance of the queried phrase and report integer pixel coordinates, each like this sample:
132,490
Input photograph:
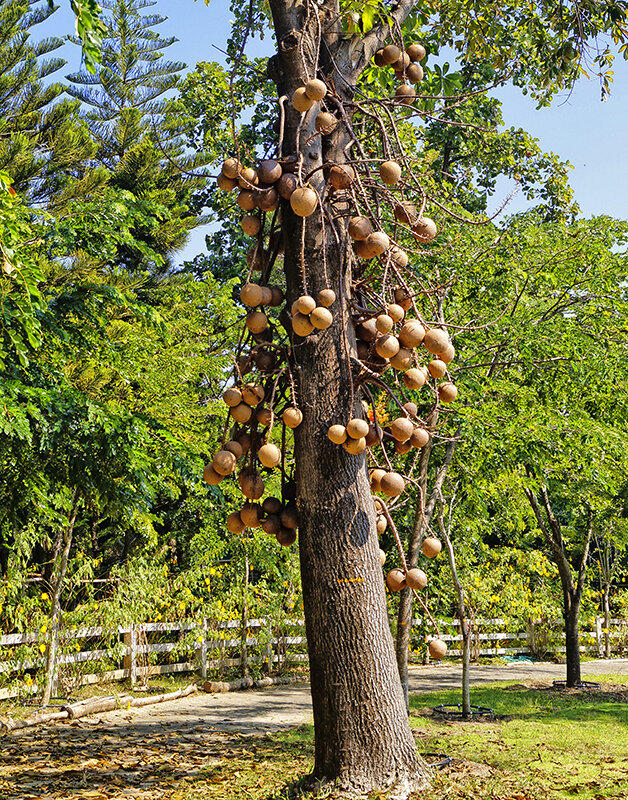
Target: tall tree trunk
64,543
607,621
363,738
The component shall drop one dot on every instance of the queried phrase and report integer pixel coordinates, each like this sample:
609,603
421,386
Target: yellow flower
42,648
28,680
44,596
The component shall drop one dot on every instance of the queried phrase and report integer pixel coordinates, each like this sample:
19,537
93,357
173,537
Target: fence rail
135,653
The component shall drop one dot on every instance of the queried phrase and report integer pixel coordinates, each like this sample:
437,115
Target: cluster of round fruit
380,347
272,516
405,66
309,315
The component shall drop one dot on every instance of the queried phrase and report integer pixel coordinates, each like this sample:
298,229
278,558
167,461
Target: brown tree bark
363,739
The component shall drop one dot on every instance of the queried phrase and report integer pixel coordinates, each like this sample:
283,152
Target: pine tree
39,136
138,140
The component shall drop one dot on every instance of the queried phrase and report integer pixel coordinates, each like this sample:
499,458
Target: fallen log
38,718
215,687
97,705
138,702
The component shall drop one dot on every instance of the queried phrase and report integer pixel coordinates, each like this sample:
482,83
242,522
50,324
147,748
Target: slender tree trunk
53,643
465,630
607,621
244,657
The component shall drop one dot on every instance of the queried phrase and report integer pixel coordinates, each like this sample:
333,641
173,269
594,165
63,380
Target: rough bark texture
572,590
363,739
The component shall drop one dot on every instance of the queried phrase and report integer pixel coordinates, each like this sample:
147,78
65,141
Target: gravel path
276,708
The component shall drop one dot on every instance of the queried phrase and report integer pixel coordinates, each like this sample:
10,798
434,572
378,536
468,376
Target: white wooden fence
214,647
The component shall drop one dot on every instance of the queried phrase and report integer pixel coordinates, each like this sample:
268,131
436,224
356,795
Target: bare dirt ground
145,752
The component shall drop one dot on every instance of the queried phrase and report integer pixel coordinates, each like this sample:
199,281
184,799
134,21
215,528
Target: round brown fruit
341,176
287,184
224,462
387,346
211,477
357,428
246,200
447,392
252,394
384,323
250,225
415,378
360,228
377,502
406,213
414,73
399,256
267,200
301,325
252,485
416,52
402,360
405,93
355,446
378,58
248,178
232,396
256,321
292,417
367,330
325,123
390,54
304,201
416,578
393,484
305,304
235,523
272,524
420,437
321,318
431,546
269,455
448,355
264,416
231,168
235,448
267,296
363,249
402,447
269,171
382,557
241,413
424,229
396,312
378,242
250,514
277,296
286,537
396,580
436,341
437,368
401,429
272,506
226,184
412,333
411,408
376,479
251,294
326,298
300,101
290,517
337,434
402,63
315,89
437,648
374,435
390,172
403,297
382,524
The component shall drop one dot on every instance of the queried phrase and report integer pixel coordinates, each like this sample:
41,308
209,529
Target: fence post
201,651
130,659
598,636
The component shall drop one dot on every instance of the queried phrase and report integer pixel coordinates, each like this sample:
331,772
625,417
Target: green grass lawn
555,746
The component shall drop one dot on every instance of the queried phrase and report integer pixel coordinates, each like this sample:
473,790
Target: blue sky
579,128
